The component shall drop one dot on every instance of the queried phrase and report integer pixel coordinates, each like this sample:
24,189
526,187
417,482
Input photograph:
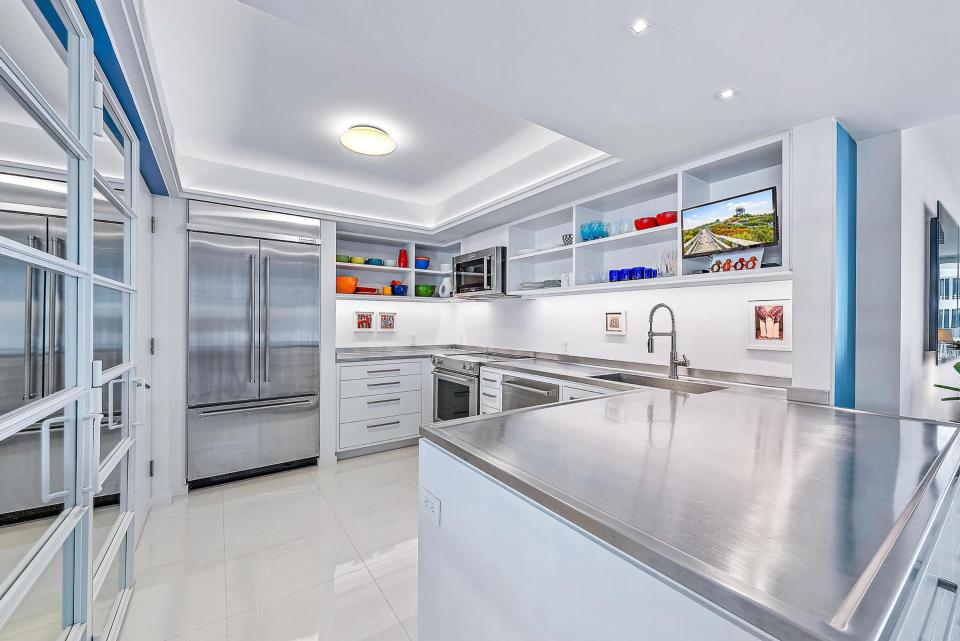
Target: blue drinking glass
624,274
649,272
596,230
585,231
614,275
636,273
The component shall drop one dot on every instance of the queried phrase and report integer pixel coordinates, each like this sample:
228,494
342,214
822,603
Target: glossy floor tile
315,554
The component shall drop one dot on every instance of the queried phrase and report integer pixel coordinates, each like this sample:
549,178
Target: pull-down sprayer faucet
674,360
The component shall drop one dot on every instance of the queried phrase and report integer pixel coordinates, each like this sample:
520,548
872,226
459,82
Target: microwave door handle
486,272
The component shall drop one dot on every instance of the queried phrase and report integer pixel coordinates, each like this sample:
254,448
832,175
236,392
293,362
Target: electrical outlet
413,339
565,346
430,505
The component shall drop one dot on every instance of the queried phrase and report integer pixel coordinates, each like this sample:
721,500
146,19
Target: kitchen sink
690,387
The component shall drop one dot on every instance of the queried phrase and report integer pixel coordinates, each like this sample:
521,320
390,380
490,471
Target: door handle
489,395
253,318
266,320
256,408
388,424
385,400
110,424
383,384
53,279
94,484
45,494
489,380
382,371
28,392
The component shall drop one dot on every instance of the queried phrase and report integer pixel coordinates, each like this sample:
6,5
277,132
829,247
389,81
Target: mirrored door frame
82,401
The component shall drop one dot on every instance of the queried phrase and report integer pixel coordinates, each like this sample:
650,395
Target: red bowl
666,217
366,290
644,223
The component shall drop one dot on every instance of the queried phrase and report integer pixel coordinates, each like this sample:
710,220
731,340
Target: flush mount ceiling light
640,25
727,94
368,140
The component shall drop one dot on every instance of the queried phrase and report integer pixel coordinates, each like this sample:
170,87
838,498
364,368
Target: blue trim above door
845,341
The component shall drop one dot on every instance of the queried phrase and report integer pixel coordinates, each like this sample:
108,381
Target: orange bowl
346,284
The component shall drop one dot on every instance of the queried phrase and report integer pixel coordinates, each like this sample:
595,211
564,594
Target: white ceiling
257,104
256,101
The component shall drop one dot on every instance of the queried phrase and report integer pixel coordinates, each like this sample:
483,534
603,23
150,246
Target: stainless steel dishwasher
524,392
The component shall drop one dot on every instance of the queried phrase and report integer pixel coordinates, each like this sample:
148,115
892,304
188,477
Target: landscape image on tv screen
734,224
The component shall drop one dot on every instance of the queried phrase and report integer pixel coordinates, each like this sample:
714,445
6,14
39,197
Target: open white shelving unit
535,243
351,244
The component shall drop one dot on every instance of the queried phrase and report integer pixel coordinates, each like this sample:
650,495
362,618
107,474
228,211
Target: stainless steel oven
454,395
481,274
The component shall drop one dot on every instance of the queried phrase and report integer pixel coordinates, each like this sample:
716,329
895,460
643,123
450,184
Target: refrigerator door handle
266,320
51,278
45,494
253,318
28,393
255,408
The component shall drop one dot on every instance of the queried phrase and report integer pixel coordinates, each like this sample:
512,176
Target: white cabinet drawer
570,393
378,430
361,408
379,368
488,377
486,409
491,396
380,385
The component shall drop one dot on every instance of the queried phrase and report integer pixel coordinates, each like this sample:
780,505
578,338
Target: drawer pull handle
489,395
383,371
382,384
490,380
370,427
385,400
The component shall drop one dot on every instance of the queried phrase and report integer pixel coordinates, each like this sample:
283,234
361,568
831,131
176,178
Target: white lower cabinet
378,430
379,402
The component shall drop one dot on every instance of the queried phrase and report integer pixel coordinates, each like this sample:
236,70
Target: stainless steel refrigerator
32,363
253,361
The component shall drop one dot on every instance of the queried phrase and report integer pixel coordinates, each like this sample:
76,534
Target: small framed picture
387,321
615,322
770,324
363,321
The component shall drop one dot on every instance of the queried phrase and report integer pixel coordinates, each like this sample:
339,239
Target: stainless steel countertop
803,520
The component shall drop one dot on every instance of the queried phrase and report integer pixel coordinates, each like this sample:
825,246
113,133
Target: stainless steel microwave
481,274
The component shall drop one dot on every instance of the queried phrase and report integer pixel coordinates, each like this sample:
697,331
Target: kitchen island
658,514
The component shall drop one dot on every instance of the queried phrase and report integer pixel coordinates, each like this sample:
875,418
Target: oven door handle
456,377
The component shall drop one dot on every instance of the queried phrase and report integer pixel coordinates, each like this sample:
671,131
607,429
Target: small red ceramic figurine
402,259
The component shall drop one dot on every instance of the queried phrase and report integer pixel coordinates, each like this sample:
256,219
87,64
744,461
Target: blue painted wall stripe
845,345
110,64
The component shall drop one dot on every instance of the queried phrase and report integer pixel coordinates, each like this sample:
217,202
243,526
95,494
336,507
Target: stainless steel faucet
674,361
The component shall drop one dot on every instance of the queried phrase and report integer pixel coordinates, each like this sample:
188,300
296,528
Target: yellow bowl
357,260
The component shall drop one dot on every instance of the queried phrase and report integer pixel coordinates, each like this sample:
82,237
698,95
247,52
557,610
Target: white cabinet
490,390
574,392
379,402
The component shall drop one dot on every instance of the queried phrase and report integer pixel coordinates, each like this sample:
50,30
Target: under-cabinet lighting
368,140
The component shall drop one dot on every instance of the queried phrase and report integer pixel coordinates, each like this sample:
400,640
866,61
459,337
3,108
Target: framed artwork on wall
363,321
770,324
387,321
615,322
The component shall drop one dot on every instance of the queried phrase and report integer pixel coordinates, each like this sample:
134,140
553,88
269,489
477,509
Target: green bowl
343,258
425,291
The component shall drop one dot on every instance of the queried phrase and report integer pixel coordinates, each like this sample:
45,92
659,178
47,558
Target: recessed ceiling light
640,25
727,94
368,140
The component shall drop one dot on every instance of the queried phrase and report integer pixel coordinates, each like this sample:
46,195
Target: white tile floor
315,554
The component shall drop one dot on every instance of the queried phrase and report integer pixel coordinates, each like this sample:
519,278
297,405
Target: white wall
926,178
170,360
813,223
901,176
417,323
878,270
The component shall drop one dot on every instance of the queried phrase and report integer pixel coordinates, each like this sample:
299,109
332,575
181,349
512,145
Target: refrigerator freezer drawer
222,439
378,430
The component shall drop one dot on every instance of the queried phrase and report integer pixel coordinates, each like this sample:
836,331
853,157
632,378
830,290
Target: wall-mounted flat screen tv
741,223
